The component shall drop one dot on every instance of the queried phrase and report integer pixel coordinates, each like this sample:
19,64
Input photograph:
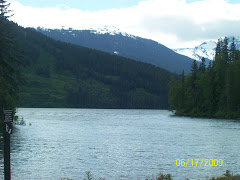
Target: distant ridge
64,75
206,49
114,41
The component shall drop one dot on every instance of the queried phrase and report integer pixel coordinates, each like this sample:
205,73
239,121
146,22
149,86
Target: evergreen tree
219,47
202,66
232,52
4,10
212,90
225,49
174,99
215,91
10,76
182,94
228,87
210,65
194,71
193,82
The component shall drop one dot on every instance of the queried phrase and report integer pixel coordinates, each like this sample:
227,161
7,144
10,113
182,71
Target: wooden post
8,120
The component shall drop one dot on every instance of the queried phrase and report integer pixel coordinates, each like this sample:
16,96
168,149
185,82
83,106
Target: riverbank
116,144
218,115
225,176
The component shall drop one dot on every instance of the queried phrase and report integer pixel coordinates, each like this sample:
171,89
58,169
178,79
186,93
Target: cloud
174,23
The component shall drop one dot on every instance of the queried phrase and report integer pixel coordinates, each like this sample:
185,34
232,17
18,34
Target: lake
119,144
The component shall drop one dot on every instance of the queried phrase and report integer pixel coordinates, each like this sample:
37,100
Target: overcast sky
174,23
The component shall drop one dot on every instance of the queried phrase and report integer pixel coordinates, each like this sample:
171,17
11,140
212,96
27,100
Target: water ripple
118,144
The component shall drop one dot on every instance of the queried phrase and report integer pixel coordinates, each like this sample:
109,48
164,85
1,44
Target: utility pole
8,120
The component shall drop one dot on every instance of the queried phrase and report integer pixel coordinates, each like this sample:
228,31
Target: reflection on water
118,144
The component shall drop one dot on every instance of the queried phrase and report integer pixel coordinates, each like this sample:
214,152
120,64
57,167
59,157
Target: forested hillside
10,64
123,44
59,74
213,91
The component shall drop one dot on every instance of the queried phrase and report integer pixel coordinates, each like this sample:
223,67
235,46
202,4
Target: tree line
10,64
61,74
212,91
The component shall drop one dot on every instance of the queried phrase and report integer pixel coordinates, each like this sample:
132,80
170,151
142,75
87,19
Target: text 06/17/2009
199,162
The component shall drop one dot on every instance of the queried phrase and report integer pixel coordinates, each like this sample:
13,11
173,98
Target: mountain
65,75
112,40
206,49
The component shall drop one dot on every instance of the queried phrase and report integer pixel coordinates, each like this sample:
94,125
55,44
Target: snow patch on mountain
115,52
206,50
112,30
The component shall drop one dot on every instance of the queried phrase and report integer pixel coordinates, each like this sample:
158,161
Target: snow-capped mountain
112,30
114,41
206,49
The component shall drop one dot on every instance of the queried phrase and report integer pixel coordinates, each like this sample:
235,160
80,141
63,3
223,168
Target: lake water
119,144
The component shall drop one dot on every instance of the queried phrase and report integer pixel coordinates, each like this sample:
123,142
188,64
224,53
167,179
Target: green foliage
66,75
89,176
161,176
10,55
227,176
212,91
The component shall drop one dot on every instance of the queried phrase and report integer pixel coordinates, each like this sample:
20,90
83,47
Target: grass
225,176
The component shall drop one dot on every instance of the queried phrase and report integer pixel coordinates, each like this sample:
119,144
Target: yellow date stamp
199,162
